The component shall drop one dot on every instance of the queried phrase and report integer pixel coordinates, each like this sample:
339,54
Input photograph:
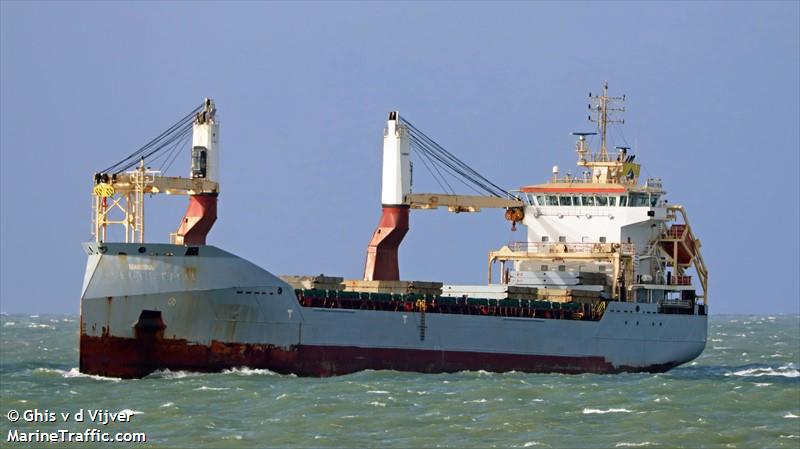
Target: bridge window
623,201
653,200
588,200
540,200
545,238
531,199
612,201
601,200
562,239
576,200
638,200
552,200
565,200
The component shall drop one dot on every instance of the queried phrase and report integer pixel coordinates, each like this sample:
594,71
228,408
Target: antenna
602,107
581,147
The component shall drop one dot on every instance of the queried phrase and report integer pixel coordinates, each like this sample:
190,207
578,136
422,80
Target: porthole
637,308
280,290
142,249
637,323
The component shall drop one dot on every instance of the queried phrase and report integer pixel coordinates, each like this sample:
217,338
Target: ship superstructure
602,283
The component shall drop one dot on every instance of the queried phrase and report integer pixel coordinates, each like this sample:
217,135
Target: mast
602,105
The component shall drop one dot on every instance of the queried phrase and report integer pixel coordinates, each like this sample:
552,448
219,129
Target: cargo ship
608,279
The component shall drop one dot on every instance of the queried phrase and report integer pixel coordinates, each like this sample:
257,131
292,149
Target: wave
790,415
642,444
377,392
592,411
784,371
169,374
205,388
245,371
74,373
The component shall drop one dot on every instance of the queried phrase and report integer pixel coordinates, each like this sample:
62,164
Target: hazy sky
303,89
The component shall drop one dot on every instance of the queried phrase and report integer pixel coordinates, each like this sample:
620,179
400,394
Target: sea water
743,392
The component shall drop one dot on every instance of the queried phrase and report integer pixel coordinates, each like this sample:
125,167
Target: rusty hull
135,358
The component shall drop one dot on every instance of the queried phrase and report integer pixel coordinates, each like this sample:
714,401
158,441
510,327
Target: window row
563,239
632,200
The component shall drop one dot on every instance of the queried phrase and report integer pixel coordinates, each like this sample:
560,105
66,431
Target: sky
303,89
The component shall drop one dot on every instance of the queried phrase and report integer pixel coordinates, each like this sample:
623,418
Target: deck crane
397,198
118,195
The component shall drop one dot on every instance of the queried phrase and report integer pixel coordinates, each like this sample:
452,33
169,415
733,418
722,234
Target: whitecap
531,443
34,316
789,436
245,371
377,392
166,404
74,373
790,415
642,444
130,412
281,396
377,404
476,401
783,371
763,384
590,411
169,374
9,323
205,388
40,326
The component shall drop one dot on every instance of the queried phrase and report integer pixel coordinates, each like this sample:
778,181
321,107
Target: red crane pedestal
382,264
198,220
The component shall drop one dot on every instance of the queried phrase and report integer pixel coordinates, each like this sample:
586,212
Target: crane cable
173,134
442,159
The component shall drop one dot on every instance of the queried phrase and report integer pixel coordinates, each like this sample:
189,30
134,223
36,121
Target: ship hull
131,358
172,307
